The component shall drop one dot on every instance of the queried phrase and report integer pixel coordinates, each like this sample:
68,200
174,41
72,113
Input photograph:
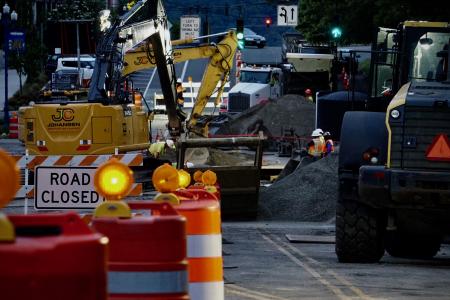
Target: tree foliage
359,18
31,60
76,10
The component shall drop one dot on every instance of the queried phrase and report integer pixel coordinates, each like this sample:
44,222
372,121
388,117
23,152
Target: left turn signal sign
9,178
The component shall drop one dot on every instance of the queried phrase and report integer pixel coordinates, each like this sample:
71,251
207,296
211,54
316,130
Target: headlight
395,114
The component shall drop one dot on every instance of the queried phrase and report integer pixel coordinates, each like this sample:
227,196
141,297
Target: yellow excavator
123,125
108,121
215,77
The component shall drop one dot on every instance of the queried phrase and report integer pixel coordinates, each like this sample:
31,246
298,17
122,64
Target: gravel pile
308,194
288,111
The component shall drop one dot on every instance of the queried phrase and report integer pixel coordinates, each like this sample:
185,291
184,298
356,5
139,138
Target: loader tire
359,233
399,244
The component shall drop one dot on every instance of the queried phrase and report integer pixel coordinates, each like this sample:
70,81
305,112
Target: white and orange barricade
28,162
147,254
204,248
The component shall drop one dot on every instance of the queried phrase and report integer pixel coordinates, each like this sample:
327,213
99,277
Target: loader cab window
430,57
255,77
383,61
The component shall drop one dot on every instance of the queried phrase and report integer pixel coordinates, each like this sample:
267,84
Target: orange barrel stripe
204,248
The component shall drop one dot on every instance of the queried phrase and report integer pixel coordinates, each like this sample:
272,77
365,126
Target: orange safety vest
316,148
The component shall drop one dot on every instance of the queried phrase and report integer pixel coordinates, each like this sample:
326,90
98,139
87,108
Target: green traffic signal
241,44
336,32
240,33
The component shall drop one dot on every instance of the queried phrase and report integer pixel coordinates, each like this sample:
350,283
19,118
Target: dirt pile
307,194
288,111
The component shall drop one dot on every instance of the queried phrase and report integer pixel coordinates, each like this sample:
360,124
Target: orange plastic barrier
214,189
198,193
147,258
53,257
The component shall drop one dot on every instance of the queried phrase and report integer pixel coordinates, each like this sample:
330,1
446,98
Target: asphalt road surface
262,264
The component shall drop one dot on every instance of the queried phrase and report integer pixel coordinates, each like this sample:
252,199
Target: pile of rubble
274,116
308,194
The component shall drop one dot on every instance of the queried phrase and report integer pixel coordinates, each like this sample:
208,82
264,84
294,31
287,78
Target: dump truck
255,85
307,65
394,157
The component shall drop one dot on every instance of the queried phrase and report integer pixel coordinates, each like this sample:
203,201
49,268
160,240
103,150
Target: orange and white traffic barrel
204,248
51,257
13,126
204,239
147,254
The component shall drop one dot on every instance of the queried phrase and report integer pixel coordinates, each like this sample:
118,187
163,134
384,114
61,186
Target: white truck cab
255,84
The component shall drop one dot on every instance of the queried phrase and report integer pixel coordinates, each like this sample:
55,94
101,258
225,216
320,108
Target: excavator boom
220,56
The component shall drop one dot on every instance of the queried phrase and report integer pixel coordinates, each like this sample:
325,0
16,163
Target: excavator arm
220,56
145,22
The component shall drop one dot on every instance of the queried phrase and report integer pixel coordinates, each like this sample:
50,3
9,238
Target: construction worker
308,95
329,145
180,90
317,144
158,148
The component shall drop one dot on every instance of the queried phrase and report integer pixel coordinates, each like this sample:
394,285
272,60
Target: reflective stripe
147,282
207,291
31,161
204,245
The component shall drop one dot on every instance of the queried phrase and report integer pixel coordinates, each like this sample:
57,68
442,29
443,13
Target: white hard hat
179,80
170,143
317,132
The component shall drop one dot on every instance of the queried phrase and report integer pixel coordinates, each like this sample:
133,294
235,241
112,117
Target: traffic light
268,21
240,33
336,32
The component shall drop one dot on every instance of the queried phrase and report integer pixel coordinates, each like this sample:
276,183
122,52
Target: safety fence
27,164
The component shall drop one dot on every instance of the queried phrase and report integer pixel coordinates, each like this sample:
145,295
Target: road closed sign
65,188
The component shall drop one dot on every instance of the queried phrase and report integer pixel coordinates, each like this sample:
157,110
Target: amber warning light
113,180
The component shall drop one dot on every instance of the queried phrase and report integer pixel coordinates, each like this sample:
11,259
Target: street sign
16,41
189,27
65,188
287,15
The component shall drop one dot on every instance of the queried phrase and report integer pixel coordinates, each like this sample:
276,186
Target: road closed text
66,197
66,188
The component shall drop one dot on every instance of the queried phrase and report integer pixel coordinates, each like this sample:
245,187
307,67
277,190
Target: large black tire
399,244
359,233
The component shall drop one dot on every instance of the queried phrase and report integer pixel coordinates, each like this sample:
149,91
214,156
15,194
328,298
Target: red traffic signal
268,21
